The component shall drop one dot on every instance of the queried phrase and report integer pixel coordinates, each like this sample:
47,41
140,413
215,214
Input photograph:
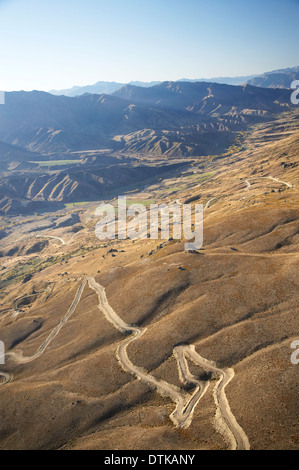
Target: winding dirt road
185,403
20,359
225,421
248,184
7,377
209,202
58,238
16,312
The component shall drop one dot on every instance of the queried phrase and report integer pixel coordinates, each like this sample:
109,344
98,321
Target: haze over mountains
98,88
281,78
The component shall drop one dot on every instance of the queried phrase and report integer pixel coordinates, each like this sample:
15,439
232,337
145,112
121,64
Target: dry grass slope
236,300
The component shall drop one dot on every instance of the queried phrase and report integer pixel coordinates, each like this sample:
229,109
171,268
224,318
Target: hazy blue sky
47,44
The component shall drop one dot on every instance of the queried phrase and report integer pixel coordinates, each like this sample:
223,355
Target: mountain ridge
108,87
44,123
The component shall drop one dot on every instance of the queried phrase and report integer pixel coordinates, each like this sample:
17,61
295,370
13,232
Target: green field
69,205
144,202
57,162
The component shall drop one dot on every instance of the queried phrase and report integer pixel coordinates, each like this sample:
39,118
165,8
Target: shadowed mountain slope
42,122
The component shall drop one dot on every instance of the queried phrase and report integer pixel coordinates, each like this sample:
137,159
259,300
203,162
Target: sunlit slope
234,301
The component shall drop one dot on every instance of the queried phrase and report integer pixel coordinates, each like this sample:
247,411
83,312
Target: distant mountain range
98,88
281,78
110,87
276,79
138,119
208,99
